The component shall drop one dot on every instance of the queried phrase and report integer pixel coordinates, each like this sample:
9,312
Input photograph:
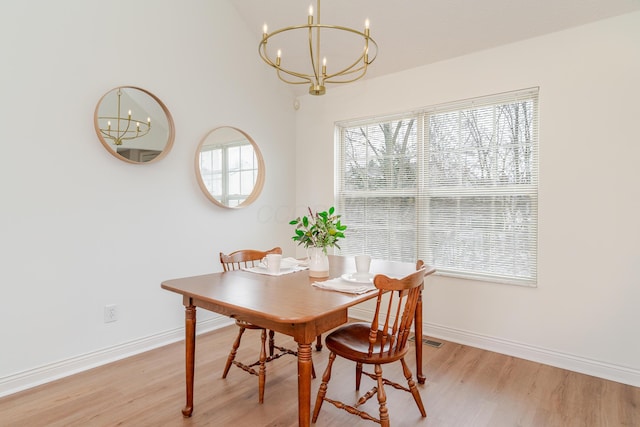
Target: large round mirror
134,125
229,167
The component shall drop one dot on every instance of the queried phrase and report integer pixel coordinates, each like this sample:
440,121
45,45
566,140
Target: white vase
318,262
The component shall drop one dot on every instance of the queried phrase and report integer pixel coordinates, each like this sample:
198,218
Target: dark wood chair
380,342
236,261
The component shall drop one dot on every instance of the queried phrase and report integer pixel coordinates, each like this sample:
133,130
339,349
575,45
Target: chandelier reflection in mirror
119,129
314,74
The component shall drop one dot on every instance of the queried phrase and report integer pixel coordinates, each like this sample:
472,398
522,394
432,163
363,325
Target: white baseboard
596,368
34,377
53,371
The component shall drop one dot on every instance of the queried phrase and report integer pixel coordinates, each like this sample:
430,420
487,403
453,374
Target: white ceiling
411,33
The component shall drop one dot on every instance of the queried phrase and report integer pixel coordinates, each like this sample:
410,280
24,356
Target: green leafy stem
320,229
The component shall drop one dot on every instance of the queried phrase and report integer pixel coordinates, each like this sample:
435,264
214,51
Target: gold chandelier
123,128
314,74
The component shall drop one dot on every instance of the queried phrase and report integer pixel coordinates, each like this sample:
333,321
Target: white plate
351,277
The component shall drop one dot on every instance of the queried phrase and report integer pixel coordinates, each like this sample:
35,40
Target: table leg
418,340
304,384
190,355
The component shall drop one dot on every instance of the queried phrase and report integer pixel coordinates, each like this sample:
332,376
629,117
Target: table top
264,295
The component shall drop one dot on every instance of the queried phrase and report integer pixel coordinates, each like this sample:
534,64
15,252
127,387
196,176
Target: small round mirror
229,167
134,125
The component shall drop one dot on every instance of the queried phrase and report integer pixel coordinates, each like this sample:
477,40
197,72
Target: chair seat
352,342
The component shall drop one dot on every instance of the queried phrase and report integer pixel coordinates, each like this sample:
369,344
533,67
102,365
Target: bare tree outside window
456,187
380,180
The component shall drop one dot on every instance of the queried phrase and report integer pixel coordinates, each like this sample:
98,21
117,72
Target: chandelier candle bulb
366,27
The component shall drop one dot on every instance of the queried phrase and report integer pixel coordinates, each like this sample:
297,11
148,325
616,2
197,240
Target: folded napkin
340,285
301,263
288,265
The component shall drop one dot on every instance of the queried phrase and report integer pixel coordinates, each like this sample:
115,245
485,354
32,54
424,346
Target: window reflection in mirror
134,125
229,167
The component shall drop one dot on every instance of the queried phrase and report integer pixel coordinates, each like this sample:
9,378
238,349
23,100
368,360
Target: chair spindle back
245,258
396,314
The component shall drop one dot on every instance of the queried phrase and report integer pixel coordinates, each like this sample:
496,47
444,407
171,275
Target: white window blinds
454,185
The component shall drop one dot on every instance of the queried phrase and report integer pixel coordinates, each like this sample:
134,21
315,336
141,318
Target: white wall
81,229
584,313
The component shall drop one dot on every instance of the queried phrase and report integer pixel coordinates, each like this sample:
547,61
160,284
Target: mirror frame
257,187
109,147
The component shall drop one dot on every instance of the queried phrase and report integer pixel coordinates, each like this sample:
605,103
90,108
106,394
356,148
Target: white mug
272,262
363,263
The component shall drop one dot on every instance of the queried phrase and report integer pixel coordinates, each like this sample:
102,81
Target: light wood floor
465,387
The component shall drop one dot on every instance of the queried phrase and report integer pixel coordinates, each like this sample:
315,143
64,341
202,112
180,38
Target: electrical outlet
110,313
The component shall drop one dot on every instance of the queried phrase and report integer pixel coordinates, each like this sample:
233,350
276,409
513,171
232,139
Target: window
455,185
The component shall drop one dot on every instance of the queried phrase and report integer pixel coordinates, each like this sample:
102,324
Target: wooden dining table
287,304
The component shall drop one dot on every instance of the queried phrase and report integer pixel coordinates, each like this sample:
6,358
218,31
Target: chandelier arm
360,33
106,135
118,135
306,79
280,69
137,134
262,51
121,135
126,131
349,70
106,132
143,125
314,64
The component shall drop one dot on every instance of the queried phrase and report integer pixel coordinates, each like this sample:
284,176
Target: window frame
425,193
228,198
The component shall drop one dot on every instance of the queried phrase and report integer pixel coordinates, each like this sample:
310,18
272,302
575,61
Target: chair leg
319,343
272,342
232,354
322,391
262,373
358,375
382,398
412,386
